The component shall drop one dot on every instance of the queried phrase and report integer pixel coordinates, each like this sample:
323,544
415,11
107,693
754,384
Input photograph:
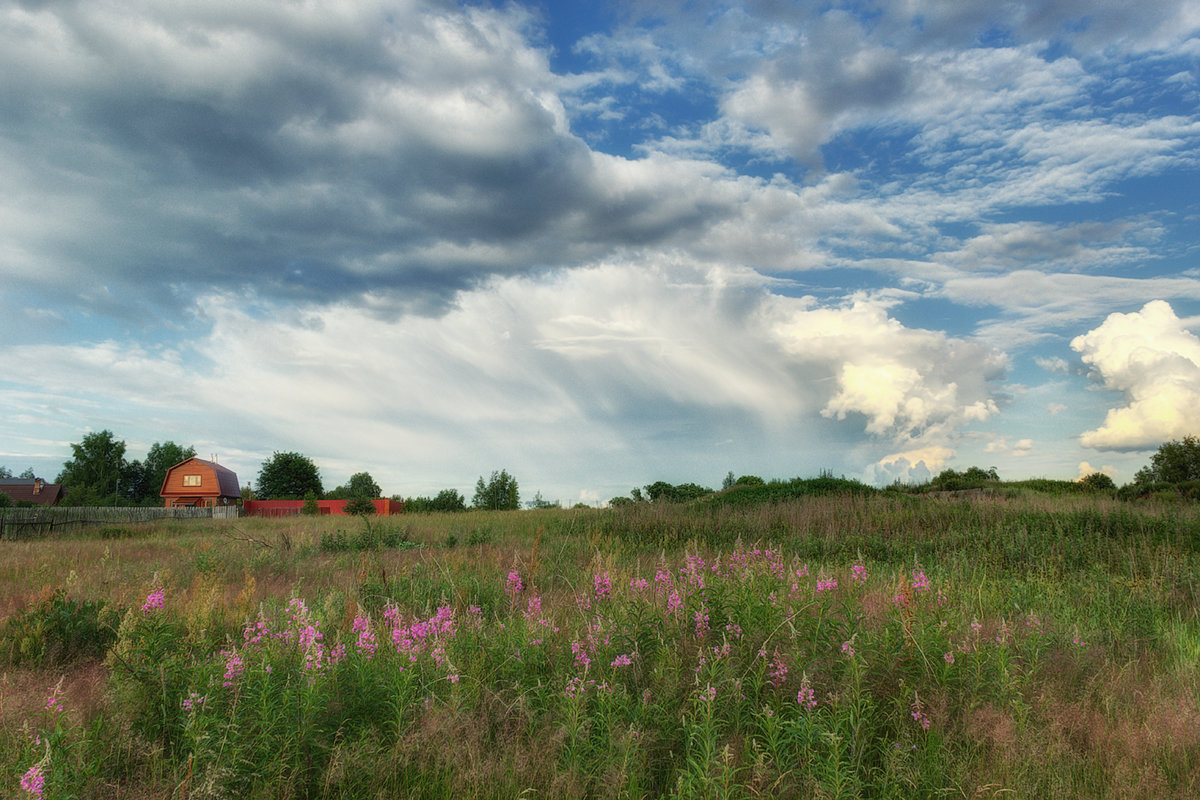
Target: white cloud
1053,364
911,467
1154,362
996,445
1022,447
1086,469
1056,408
1035,303
910,384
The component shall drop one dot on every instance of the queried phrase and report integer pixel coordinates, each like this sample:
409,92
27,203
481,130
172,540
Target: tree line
99,474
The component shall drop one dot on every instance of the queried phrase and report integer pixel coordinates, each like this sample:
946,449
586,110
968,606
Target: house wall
209,489
209,486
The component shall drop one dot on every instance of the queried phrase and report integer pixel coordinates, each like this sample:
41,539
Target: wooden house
196,482
35,491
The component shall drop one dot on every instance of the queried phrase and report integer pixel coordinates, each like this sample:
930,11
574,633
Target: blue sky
602,244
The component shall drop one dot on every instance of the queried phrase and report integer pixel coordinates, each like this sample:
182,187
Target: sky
602,244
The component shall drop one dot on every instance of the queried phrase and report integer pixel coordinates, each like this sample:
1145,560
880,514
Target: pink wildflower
366,637
192,701
602,585
674,603
54,699
779,671
623,660
920,582
806,697
829,585
918,713
234,667
514,585
582,659
154,601
858,573
701,620
34,781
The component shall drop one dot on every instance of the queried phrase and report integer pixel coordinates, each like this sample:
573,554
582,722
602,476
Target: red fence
287,508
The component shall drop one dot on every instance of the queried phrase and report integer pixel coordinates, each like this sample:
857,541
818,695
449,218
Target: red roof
33,490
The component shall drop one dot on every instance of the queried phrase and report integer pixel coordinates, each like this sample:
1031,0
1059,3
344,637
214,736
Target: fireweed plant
596,669
699,679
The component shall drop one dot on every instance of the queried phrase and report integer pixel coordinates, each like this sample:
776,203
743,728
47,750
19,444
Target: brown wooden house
196,482
35,491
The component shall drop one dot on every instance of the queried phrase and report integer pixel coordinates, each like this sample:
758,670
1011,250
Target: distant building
32,490
196,482
287,508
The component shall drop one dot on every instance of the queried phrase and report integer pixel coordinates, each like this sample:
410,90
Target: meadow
886,645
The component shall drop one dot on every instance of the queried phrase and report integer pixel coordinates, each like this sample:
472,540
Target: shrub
58,630
1098,481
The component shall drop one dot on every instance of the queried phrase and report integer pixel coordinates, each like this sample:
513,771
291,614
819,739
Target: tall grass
837,646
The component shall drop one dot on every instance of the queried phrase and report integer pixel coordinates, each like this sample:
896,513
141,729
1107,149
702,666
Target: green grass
1028,645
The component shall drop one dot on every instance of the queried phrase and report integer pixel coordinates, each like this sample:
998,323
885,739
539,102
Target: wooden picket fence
31,523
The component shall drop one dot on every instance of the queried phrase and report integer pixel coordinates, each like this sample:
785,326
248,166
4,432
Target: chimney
38,483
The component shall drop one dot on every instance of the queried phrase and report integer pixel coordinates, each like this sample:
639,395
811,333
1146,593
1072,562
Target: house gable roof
227,480
32,490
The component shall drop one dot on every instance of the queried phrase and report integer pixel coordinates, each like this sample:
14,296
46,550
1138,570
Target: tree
310,507
661,491
1098,481
136,486
161,457
360,506
93,475
971,478
361,484
500,493
448,500
288,476
1177,461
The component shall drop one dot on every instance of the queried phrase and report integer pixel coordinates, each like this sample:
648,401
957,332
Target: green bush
58,631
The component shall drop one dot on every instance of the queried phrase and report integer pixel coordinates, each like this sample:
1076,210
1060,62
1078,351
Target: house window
191,480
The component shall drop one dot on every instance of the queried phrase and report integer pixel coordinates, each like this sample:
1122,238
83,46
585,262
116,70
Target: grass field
884,645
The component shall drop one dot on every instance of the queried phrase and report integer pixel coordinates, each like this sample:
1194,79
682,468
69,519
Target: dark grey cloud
310,152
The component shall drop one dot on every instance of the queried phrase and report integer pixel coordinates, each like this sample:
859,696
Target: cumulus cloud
1154,361
1086,469
910,467
908,384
